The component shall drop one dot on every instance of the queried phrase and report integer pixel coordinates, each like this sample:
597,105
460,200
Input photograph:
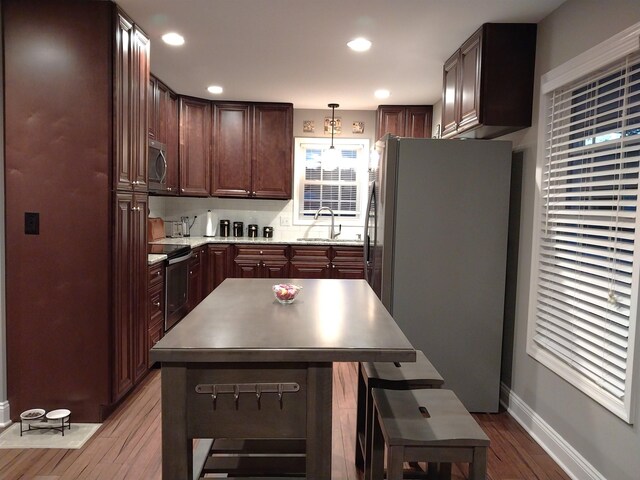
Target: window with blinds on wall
587,265
334,179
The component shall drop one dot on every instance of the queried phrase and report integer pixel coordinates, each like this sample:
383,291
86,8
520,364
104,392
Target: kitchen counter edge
195,242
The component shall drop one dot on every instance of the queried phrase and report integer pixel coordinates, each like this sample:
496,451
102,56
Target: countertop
195,242
330,320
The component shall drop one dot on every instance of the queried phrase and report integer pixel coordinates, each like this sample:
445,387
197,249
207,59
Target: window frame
362,176
600,56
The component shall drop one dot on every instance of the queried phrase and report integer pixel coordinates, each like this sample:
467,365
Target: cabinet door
123,293
140,283
153,105
272,268
195,283
390,119
470,56
139,128
247,268
231,150
418,121
272,165
195,146
450,105
219,265
170,120
123,91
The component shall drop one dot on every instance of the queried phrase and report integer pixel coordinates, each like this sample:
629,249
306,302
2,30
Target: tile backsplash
274,213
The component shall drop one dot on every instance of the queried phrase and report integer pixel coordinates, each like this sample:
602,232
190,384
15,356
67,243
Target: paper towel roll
212,223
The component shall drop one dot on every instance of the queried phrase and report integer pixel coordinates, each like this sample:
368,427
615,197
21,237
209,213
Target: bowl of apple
286,292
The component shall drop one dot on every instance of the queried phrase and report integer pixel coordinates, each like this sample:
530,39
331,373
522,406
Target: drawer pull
156,304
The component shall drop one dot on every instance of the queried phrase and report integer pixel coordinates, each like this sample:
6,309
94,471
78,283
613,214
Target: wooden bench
424,426
394,376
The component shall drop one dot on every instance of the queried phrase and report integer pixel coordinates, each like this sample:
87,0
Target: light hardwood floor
127,446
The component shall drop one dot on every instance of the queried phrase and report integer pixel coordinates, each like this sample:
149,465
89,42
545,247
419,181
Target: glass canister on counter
267,232
252,230
238,229
224,228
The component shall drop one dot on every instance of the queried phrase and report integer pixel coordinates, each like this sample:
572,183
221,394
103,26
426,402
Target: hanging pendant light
330,157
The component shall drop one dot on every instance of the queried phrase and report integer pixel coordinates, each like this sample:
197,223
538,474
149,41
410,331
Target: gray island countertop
330,320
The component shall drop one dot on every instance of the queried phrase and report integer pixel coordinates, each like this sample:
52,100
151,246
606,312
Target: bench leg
478,468
394,463
374,468
445,471
361,424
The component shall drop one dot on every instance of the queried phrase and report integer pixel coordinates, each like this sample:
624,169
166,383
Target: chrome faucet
332,233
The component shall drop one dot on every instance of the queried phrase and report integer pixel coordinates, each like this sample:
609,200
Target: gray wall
609,444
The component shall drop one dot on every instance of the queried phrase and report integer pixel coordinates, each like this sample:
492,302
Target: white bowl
32,414
58,414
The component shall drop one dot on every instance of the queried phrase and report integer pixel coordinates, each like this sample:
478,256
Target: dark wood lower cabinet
326,262
261,261
156,304
197,276
219,261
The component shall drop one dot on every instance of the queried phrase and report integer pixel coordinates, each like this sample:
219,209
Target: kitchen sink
324,239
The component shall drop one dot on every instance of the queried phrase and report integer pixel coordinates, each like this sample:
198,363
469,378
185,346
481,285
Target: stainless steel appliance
157,159
435,253
176,289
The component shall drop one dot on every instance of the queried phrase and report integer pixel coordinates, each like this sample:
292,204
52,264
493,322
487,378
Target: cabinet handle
328,265
169,189
156,304
258,264
158,273
253,193
260,252
183,189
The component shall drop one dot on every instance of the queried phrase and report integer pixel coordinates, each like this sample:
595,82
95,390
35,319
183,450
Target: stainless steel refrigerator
436,250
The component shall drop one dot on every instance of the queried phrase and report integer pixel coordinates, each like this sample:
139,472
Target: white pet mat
73,438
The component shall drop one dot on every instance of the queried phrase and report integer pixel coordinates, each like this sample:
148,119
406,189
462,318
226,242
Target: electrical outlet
285,221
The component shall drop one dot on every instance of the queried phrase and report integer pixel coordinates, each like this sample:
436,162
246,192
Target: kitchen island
241,365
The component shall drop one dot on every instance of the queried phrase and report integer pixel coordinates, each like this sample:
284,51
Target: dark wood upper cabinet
171,141
253,150
195,146
231,172
404,120
272,162
163,127
488,82
130,103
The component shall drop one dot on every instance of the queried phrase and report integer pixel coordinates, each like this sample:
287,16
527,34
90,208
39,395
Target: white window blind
587,264
336,182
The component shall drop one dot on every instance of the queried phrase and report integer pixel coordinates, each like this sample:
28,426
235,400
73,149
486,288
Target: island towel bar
235,389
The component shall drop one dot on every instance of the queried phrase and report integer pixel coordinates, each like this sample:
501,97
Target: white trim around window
338,182
585,271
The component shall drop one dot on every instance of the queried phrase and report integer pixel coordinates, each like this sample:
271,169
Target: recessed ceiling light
215,89
173,38
359,44
382,93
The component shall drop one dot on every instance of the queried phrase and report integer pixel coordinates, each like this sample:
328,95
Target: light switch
31,223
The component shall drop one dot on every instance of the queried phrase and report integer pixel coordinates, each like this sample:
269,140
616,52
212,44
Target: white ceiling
295,50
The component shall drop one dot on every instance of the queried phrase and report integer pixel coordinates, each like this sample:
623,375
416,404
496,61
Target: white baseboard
569,459
5,417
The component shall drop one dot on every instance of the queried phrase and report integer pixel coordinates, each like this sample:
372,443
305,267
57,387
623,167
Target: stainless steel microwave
157,166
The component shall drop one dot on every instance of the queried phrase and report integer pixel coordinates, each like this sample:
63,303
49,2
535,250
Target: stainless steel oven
176,291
